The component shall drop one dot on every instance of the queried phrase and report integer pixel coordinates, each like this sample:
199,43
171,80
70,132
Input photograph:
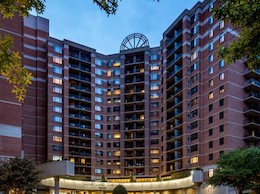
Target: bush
119,190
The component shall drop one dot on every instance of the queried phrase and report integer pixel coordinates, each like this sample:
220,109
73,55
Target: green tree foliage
239,169
244,16
18,176
120,189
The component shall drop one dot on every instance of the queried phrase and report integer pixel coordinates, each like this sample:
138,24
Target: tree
10,62
239,169
18,176
244,16
120,189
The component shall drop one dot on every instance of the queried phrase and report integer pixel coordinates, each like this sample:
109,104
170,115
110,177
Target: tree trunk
239,191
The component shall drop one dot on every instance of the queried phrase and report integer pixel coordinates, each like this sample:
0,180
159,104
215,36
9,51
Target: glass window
194,67
98,99
56,158
210,58
154,95
57,128
221,24
57,80
194,55
221,115
194,101
211,144
154,66
211,172
221,76
221,102
57,70
57,99
154,57
194,125
57,89
193,90
221,89
99,117
210,20
116,81
57,49
57,138
98,72
57,119
154,76
98,108
195,17
154,123
210,107
221,141
195,42
57,147
211,33
57,109
211,95
116,64
98,91
99,81
211,82
210,5
56,59
210,70
154,161
221,128
195,30
210,119
211,46
154,86
98,126
116,72
210,132
154,104
98,62
210,156
194,160
221,63
221,38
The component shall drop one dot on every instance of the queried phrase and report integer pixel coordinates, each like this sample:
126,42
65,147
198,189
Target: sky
83,22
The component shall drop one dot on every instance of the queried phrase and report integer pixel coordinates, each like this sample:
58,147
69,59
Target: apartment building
141,112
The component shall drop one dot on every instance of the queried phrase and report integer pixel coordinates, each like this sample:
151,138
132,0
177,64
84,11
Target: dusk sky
83,22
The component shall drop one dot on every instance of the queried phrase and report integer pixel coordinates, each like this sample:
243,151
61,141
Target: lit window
116,92
117,135
56,59
57,128
57,89
57,99
116,118
154,86
210,58
72,160
154,66
211,172
194,160
194,55
99,99
211,82
57,119
57,80
98,126
154,76
221,24
117,153
56,158
221,76
57,70
221,89
221,63
156,151
211,33
221,38
210,70
211,95
116,64
57,49
98,108
99,171
57,109
211,46
116,171
194,101
154,161
99,117
109,73
98,81
57,138
154,95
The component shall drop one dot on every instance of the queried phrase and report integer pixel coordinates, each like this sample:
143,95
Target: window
221,128
194,30
221,141
194,78
211,172
57,109
210,20
98,135
210,58
154,161
98,91
116,72
210,70
98,81
99,144
154,132
210,107
154,104
99,117
195,42
210,119
211,46
194,136
154,95
57,99
211,95
154,123
221,115
98,99
57,138
193,90
221,102
116,81
221,63
195,17
154,66
194,101
211,144
57,49
194,160
154,86
221,24
154,57
193,125
98,108
155,151
99,171
98,126
57,128
154,76
98,62
210,6
57,80
57,119
221,37
210,156
56,158
221,89
222,76
57,147
211,33
116,64
211,82
56,59
57,89
194,55
57,70
194,67
210,132
98,72
194,113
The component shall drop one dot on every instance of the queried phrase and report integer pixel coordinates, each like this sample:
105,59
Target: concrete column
57,184
183,191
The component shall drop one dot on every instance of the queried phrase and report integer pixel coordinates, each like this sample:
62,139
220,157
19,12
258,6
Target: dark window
57,148
194,148
116,144
194,113
221,102
194,136
221,128
193,90
210,132
154,141
221,141
154,132
109,145
194,125
210,119
116,108
210,156
221,115
221,153
109,127
210,107
211,144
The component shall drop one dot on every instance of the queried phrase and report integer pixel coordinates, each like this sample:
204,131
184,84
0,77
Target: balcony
77,55
176,58
79,78
78,97
252,97
252,84
252,111
174,71
172,39
174,49
253,124
252,73
253,136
